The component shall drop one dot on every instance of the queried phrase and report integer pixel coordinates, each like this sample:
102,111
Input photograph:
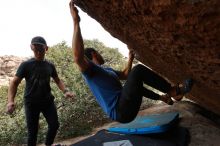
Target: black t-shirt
37,76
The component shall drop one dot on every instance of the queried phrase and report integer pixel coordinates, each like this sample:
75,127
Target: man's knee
138,68
55,126
141,68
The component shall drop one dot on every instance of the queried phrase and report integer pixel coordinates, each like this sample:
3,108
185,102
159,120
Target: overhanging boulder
176,38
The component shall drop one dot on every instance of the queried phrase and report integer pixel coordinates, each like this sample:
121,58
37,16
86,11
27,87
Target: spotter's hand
10,108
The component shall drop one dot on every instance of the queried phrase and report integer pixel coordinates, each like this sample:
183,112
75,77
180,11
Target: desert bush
78,116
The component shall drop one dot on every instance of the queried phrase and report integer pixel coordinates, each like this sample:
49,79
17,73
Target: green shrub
77,116
72,113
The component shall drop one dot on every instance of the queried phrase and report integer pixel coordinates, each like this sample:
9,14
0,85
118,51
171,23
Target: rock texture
8,67
176,38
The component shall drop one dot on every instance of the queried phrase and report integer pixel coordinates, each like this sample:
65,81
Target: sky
21,20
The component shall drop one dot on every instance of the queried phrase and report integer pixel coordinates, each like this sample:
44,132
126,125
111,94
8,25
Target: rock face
176,38
8,67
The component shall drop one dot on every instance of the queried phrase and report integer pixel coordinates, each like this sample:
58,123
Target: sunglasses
39,48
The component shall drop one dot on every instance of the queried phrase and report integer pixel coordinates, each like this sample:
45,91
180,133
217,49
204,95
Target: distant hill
8,67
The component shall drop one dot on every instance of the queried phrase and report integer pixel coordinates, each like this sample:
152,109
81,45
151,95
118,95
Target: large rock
8,67
176,38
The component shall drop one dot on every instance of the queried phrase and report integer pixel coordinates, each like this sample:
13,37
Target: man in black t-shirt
37,97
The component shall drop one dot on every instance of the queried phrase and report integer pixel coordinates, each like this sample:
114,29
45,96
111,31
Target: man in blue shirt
119,103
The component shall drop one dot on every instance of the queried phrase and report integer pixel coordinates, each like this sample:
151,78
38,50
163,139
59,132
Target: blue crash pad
148,124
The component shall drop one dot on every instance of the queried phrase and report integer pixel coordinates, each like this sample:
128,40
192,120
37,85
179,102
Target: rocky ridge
8,67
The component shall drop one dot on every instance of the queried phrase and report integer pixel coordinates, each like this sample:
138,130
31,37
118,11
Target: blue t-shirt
105,85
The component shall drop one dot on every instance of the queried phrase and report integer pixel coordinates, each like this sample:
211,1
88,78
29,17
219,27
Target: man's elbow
78,60
15,82
124,77
57,80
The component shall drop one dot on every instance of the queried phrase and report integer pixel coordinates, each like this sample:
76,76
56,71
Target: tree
72,113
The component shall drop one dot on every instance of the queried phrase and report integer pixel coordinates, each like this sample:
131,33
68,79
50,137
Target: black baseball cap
38,40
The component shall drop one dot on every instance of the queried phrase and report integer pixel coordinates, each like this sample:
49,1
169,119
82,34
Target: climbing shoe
182,89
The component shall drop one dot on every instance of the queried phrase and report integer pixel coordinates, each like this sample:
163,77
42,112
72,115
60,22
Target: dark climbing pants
32,112
131,97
